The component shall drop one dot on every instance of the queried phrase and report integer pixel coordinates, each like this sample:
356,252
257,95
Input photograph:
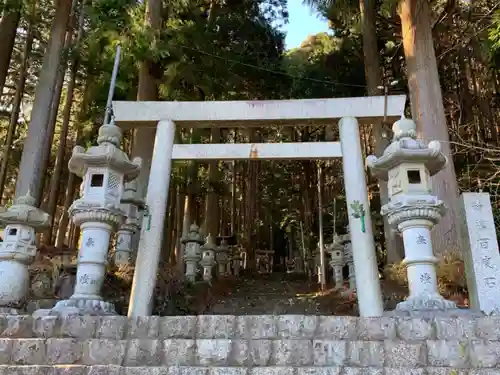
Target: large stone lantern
407,164
18,250
104,169
130,205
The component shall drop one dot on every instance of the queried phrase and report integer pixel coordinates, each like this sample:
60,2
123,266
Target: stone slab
482,259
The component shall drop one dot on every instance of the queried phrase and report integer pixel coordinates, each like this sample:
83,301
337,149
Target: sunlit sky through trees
302,22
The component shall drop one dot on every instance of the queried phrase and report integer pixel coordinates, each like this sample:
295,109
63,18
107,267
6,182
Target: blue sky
302,23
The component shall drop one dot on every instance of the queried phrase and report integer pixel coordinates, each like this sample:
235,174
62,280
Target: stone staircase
278,294
249,345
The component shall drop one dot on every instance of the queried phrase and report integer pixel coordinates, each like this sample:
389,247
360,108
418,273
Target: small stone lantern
236,260
192,243
18,250
223,259
336,250
345,241
208,258
103,168
407,164
130,204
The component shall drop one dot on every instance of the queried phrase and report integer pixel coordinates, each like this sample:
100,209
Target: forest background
56,59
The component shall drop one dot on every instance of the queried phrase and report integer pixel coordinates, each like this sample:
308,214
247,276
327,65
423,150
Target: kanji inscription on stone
84,279
480,246
425,278
421,240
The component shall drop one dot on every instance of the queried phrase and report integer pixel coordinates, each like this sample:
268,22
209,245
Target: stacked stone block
249,345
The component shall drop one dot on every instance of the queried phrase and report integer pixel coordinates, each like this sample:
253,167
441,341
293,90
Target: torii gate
166,116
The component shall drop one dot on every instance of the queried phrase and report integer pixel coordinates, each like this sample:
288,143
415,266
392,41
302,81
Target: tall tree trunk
16,105
169,224
144,138
62,226
179,225
428,111
371,53
373,76
31,172
55,180
54,109
233,198
8,31
250,212
211,222
147,91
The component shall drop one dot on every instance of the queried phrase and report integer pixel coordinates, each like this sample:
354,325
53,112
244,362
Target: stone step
252,327
174,370
249,345
251,353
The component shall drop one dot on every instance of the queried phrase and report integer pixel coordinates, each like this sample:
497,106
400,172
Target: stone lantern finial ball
193,228
404,127
110,133
27,200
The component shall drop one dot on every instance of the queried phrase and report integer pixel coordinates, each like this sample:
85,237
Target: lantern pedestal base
14,283
426,302
430,305
79,307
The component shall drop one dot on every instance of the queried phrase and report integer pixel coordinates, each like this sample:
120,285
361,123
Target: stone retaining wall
249,345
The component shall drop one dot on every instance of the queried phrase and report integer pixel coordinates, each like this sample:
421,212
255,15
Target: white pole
322,278
358,208
148,254
112,85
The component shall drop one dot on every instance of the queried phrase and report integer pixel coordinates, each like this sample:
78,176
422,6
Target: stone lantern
407,164
345,241
130,205
208,258
336,250
192,243
104,169
18,250
236,260
223,260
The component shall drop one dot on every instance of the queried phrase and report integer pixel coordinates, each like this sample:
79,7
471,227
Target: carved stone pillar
407,164
104,168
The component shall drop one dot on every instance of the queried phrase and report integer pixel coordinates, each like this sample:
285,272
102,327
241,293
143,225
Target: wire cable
326,82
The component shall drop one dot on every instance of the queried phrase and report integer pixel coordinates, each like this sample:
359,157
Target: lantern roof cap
193,235
209,243
25,212
107,154
406,148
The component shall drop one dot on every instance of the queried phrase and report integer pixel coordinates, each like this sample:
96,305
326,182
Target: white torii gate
167,115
